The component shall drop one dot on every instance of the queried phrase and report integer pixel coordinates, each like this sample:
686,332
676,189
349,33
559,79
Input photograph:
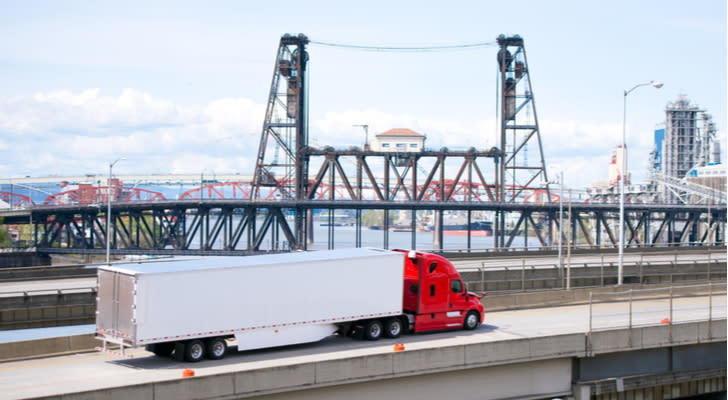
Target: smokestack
715,152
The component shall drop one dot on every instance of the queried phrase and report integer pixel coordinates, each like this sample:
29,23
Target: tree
4,235
374,217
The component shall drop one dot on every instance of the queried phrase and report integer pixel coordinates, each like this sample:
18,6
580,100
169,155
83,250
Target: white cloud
88,113
584,148
67,132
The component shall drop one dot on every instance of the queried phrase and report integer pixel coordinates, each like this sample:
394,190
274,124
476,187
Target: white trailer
191,306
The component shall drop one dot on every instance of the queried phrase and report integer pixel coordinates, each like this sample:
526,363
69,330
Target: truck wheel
161,349
194,350
216,348
472,320
373,329
392,328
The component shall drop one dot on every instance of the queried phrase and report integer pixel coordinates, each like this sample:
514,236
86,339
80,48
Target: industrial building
685,165
685,161
687,141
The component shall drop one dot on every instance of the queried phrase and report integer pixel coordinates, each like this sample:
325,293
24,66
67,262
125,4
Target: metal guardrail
705,269
45,292
575,247
654,307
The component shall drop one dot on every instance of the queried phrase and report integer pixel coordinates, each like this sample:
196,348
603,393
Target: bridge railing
659,306
477,252
43,292
532,274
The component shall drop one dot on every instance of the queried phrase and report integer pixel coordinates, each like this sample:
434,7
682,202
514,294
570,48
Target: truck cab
435,297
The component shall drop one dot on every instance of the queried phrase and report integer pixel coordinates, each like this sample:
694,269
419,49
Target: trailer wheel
392,328
373,329
194,350
216,348
161,349
472,320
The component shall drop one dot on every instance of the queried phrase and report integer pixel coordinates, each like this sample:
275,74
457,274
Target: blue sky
181,86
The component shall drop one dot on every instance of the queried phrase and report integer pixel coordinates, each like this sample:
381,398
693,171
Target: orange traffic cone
399,347
665,321
187,373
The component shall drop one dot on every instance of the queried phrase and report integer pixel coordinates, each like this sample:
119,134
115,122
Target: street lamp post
108,211
622,172
202,182
561,218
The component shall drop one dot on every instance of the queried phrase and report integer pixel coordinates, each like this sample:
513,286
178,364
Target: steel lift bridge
274,211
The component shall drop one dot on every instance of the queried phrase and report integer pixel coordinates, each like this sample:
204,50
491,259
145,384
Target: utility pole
366,135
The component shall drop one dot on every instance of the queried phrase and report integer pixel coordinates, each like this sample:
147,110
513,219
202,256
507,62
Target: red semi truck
190,307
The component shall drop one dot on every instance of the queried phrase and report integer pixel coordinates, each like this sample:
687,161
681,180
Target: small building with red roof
399,140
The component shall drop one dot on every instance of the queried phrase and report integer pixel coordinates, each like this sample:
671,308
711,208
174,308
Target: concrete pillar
581,392
437,231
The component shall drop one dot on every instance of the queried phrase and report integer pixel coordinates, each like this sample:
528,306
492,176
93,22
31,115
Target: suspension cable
405,49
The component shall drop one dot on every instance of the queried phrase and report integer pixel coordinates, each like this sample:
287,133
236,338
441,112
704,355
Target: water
345,236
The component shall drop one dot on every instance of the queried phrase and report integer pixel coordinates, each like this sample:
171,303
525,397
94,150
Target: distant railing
574,247
707,265
45,292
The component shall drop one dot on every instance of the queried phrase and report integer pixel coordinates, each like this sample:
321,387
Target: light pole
108,211
202,182
560,182
622,172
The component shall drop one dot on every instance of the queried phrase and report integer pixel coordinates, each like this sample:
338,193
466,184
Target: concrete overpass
526,354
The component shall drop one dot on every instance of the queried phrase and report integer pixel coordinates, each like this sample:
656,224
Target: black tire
472,320
194,350
393,328
161,349
373,329
215,348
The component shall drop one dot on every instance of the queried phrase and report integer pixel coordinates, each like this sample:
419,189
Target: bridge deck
506,337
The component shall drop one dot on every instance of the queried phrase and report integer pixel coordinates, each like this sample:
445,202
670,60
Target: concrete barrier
650,337
72,307
23,258
47,347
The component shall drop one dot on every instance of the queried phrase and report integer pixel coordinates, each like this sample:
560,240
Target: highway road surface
66,374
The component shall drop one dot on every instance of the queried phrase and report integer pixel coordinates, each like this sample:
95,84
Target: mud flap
179,351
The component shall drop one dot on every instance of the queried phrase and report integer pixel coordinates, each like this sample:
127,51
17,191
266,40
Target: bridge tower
518,129
285,129
281,165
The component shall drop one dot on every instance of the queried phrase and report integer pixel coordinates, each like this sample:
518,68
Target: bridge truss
247,227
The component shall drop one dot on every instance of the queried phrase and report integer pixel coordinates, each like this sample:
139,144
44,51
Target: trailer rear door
115,308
